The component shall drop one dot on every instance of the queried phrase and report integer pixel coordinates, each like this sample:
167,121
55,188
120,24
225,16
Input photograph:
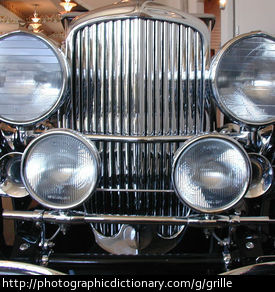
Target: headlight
211,173
60,169
33,78
243,79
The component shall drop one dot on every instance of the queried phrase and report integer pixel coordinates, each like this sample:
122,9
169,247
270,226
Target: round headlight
33,78
243,79
60,169
211,173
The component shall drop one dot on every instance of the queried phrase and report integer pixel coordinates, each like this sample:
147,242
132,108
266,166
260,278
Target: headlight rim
66,78
185,146
91,146
214,66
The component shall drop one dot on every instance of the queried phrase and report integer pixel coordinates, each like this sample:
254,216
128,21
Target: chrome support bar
138,139
135,191
245,135
30,135
80,218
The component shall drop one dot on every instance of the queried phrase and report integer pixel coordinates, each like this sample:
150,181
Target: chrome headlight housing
60,169
33,78
243,79
211,173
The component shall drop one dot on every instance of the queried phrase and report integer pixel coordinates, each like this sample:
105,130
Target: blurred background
233,17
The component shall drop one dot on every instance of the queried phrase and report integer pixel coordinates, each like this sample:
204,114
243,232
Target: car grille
136,77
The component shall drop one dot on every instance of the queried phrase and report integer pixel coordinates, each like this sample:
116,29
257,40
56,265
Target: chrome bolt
249,245
38,224
226,257
24,246
44,260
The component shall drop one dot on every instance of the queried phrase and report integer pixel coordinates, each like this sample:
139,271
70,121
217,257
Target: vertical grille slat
182,80
117,69
92,77
188,92
77,83
101,68
137,77
158,92
197,87
109,103
166,97
86,81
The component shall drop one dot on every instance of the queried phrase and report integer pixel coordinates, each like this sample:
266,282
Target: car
114,156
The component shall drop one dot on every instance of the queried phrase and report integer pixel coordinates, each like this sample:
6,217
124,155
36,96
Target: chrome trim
20,268
92,47
10,184
134,190
141,8
243,136
138,139
213,75
217,136
265,269
80,218
265,136
25,137
66,76
265,259
117,89
131,240
138,91
262,176
74,134
123,97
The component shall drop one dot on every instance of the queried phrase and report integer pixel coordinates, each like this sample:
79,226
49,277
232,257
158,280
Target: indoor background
233,17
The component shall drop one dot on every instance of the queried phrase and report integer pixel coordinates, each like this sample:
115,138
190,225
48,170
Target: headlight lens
243,79
211,173
33,78
60,169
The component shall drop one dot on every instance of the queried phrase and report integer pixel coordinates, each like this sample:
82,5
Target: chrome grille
136,77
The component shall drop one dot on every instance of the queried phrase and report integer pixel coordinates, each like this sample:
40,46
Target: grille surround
131,94
135,93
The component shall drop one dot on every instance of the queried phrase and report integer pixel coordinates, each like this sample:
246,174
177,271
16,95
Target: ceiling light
35,27
35,17
67,5
223,4
35,21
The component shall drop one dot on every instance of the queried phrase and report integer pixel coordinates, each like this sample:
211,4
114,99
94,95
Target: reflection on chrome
60,169
193,173
242,78
123,149
35,76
